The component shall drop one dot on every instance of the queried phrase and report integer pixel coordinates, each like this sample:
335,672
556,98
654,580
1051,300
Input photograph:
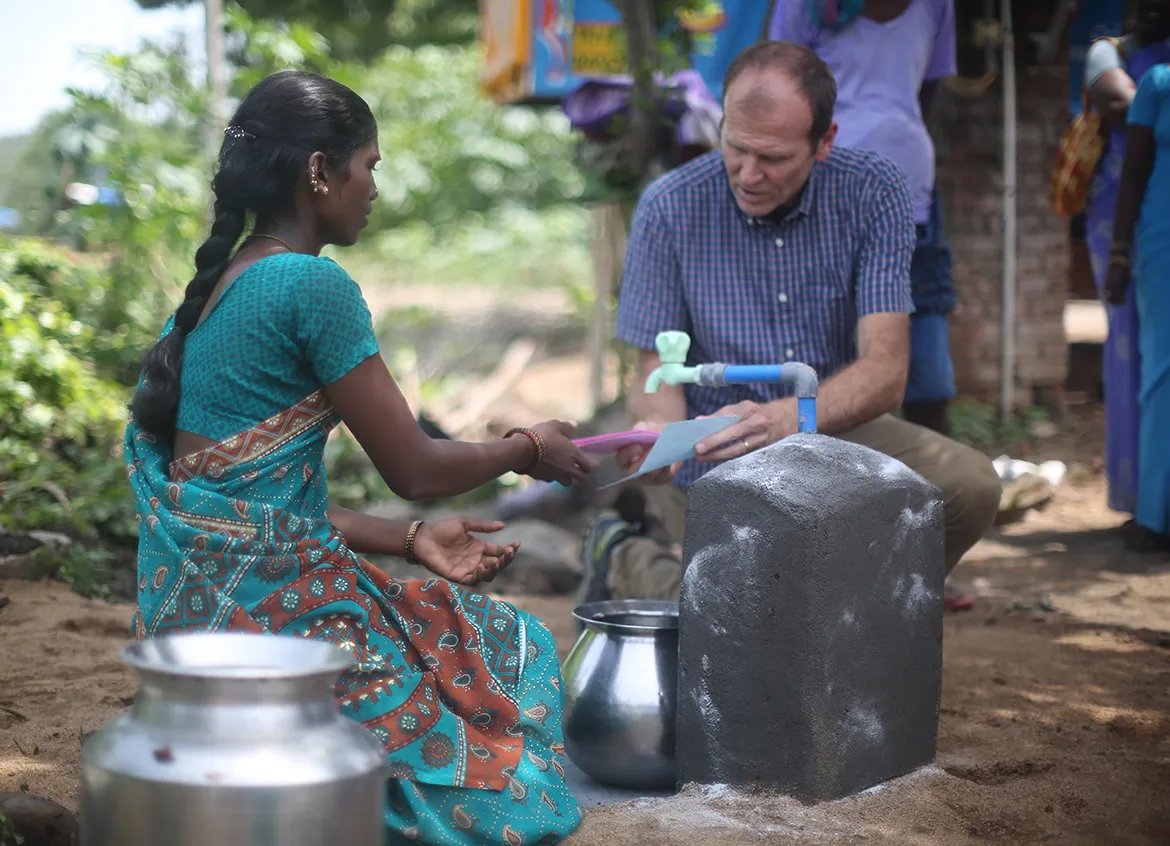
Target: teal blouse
284,328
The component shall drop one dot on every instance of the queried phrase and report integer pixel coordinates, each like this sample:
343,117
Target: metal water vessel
621,693
233,740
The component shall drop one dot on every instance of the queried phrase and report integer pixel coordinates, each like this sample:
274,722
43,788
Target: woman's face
345,211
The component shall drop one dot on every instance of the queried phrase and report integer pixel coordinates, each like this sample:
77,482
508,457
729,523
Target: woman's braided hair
280,123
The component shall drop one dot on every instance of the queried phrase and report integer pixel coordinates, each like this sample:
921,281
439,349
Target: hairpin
237,133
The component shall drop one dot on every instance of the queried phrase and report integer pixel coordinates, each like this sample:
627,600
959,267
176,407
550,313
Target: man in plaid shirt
778,247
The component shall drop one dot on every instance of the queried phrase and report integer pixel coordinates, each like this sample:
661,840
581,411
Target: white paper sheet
677,443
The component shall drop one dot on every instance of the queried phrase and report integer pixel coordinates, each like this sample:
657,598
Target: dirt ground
1054,728
1055,723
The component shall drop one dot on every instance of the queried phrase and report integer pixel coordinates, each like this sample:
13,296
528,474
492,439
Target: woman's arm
369,535
416,466
1139,156
446,548
1140,150
1135,176
1110,88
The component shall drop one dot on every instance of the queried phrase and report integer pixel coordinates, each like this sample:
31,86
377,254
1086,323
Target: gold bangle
408,545
536,439
1119,260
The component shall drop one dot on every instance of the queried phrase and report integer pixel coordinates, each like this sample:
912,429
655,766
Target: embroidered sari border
255,442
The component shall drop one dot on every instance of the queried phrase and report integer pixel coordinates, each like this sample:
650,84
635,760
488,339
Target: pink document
615,441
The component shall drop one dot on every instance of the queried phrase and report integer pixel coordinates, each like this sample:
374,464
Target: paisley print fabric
464,692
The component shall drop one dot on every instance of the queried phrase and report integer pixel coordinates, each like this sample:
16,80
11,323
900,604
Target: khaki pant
650,568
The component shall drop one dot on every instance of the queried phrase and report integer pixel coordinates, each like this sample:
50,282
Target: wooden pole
216,79
608,249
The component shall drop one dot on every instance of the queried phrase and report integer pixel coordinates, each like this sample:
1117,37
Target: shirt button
783,298
790,352
779,242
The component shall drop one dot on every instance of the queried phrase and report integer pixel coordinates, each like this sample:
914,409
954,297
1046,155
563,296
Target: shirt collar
802,210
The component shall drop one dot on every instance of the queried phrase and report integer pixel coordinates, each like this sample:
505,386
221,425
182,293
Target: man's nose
750,173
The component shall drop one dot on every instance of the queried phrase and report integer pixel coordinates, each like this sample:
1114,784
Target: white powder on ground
707,812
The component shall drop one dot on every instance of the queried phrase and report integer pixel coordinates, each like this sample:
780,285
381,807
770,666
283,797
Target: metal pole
1008,378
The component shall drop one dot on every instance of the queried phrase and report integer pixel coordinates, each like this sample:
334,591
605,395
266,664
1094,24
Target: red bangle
536,439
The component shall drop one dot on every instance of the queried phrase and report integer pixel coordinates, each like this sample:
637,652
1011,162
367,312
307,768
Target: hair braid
276,128
157,402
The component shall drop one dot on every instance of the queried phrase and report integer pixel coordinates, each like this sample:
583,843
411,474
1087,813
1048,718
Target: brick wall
968,134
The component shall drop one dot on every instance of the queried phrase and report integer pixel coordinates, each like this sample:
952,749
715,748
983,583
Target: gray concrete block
810,628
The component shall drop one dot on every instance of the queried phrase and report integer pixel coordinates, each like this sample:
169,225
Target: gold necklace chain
272,238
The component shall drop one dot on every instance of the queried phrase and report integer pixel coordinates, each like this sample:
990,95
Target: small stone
36,820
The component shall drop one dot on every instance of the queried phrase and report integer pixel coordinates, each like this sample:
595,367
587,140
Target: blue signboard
570,41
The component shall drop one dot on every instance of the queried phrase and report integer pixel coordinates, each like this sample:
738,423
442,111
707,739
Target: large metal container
233,740
621,692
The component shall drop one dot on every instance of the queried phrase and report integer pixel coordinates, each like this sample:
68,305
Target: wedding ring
746,446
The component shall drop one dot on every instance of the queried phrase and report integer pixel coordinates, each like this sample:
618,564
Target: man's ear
825,145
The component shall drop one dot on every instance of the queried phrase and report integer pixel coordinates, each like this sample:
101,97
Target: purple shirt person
887,57
881,67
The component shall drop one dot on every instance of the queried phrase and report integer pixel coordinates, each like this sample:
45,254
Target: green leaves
61,415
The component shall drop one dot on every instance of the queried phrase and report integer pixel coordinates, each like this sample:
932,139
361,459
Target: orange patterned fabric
1080,150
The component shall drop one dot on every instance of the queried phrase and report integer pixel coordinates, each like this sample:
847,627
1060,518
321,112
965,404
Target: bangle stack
408,545
536,439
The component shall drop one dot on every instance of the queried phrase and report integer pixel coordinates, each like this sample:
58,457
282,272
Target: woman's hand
1117,282
563,461
630,458
447,549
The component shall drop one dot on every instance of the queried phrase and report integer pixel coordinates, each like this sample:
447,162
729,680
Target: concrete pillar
810,626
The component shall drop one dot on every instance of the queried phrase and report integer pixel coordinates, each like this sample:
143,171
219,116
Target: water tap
673,348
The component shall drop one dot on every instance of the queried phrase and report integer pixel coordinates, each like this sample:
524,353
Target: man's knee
971,491
975,486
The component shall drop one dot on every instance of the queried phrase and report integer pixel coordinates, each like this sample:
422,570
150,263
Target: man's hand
759,426
630,458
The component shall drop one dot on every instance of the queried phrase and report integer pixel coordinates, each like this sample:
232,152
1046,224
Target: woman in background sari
1141,254
1111,74
271,347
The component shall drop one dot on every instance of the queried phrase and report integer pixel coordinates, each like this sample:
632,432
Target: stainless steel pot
621,683
233,740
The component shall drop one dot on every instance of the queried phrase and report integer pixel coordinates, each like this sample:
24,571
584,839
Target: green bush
63,411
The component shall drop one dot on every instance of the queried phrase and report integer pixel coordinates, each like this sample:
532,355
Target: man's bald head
755,83
778,103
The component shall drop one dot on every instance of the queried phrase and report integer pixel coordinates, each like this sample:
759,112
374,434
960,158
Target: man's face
765,140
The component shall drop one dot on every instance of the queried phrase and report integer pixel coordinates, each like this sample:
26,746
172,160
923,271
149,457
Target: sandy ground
1055,724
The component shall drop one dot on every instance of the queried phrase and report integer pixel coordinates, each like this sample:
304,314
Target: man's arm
869,387
873,384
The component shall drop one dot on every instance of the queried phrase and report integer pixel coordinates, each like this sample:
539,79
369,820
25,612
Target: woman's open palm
448,549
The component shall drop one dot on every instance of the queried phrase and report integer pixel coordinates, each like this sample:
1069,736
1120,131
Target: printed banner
540,50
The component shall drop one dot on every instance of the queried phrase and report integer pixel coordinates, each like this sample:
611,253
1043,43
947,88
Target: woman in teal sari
271,347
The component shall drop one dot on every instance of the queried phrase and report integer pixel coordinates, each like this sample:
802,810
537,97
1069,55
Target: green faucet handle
673,347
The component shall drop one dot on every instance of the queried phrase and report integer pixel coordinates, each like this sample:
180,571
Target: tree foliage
360,29
75,317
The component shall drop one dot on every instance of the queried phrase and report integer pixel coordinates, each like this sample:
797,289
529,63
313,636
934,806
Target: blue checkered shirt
762,291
